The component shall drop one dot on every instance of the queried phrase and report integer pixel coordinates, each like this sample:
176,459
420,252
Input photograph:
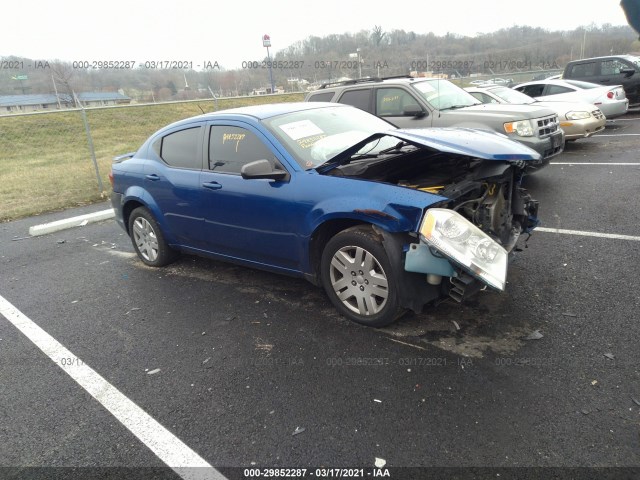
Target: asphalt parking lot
208,364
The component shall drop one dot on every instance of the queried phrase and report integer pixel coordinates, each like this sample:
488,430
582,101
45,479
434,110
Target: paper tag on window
301,129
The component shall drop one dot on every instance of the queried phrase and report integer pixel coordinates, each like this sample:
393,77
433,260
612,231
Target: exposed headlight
577,115
466,245
521,127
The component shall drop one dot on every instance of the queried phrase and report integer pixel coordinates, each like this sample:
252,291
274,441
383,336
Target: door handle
153,177
212,185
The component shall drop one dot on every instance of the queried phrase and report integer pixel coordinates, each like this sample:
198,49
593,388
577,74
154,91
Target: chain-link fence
54,160
57,159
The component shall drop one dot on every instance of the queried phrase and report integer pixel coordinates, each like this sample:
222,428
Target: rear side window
556,89
321,97
534,90
583,70
180,149
358,98
230,148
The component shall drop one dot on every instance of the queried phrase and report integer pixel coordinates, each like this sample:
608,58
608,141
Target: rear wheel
148,240
357,276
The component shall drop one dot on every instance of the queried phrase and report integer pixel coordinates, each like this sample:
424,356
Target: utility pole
266,42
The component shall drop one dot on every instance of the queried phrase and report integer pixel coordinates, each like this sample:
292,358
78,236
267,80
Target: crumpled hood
468,142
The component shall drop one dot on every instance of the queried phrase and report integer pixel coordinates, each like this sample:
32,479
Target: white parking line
171,450
619,164
613,236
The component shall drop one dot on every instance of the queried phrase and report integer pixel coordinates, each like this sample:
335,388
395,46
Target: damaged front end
463,242
470,237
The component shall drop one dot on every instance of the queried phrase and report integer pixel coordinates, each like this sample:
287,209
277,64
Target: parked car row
408,102
577,119
623,70
611,100
577,109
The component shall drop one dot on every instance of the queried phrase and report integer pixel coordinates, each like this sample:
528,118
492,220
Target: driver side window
230,148
390,102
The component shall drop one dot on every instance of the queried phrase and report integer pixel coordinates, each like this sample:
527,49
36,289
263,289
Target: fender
139,195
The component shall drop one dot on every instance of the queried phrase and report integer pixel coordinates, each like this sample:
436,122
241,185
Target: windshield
315,136
443,95
634,60
512,96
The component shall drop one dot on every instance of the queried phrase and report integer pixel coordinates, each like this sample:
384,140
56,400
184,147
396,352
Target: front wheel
357,276
148,240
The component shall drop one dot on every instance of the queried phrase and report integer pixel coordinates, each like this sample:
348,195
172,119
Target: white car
577,119
610,99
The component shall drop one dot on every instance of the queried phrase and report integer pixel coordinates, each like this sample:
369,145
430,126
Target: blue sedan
385,220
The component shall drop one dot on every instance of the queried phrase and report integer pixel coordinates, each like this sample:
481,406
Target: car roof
373,80
269,110
625,56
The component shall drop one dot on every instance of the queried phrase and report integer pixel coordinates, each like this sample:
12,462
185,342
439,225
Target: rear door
359,98
171,178
611,74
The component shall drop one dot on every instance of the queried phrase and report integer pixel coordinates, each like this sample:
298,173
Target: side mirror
413,110
262,169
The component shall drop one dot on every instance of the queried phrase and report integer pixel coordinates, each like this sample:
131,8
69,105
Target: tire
358,278
148,240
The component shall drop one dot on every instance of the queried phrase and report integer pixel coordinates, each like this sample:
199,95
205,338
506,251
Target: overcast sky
230,31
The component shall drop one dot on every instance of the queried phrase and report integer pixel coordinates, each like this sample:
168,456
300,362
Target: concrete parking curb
78,221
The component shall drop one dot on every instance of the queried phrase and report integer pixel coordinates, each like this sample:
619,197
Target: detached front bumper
453,247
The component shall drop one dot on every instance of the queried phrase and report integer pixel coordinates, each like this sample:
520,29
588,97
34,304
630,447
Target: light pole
359,60
266,42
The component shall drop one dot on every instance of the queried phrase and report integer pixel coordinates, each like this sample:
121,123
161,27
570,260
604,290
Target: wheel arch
414,292
319,239
129,207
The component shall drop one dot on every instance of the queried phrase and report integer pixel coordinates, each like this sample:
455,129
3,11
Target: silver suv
409,102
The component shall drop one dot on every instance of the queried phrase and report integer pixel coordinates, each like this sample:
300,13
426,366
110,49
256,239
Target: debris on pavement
456,324
636,401
206,360
610,356
298,430
153,372
377,401
594,382
380,462
535,335
60,242
569,314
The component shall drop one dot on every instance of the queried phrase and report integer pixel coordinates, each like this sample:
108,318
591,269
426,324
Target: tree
377,36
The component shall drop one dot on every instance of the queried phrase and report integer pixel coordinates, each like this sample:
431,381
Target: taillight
111,178
609,94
